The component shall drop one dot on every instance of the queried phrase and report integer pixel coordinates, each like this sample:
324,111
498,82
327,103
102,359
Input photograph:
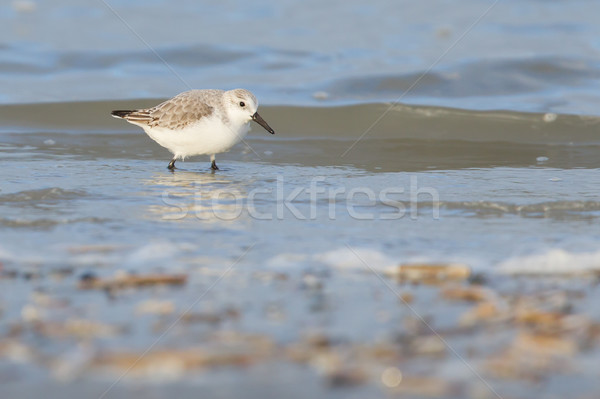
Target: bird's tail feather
121,113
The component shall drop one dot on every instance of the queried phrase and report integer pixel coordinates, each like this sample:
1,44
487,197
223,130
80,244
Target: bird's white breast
208,136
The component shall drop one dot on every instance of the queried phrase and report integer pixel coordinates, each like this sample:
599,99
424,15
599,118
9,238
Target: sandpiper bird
198,122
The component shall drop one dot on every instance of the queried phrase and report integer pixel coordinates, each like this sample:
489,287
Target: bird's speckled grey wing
176,113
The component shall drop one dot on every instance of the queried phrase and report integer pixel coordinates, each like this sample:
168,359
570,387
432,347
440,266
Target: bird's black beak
258,119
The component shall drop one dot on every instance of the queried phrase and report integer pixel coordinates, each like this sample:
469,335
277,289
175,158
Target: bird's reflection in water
215,198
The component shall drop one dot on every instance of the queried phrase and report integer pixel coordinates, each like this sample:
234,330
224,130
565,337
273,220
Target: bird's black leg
213,164
172,164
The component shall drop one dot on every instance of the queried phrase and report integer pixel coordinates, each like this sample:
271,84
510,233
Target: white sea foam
356,259
341,258
4,254
554,261
287,261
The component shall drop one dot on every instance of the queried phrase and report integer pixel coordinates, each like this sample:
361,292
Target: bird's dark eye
242,104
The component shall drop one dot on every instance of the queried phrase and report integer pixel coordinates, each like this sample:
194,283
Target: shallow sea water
489,160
